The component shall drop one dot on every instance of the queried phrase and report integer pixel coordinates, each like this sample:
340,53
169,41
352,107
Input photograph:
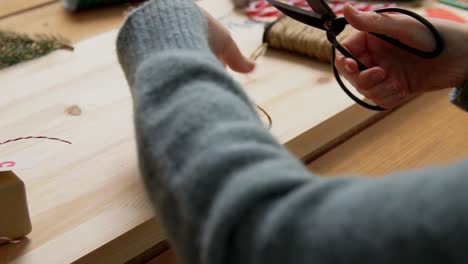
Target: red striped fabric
261,9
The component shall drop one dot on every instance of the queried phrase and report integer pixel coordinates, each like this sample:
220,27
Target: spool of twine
290,35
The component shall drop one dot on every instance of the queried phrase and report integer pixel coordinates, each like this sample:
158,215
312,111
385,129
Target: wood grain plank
9,7
428,131
168,257
93,195
133,247
55,20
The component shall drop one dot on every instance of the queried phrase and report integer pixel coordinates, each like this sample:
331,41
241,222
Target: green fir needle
17,47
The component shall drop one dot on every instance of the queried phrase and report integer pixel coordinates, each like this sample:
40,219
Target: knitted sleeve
227,192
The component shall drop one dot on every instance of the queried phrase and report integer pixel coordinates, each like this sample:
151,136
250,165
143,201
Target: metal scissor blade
301,15
321,7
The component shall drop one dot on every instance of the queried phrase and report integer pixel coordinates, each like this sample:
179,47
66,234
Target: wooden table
424,132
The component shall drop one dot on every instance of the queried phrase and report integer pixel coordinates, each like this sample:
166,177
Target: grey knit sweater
227,192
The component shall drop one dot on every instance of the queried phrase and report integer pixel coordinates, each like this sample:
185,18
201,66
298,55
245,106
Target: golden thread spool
293,36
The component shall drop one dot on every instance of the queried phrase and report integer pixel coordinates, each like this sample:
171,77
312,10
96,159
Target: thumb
406,29
234,58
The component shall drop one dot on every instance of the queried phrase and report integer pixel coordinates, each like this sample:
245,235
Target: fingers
387,94
356,43
234,58
224,47
373,83
363,80
401,27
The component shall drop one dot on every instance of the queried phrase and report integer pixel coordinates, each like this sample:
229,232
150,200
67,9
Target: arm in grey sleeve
227,192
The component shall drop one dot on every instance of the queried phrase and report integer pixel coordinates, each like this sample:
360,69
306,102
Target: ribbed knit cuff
157,26
459,97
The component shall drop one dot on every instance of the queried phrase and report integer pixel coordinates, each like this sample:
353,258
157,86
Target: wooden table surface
427,131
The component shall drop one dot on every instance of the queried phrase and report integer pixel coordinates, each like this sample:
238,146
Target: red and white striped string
34,137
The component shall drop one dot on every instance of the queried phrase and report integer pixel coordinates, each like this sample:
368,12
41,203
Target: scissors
325,19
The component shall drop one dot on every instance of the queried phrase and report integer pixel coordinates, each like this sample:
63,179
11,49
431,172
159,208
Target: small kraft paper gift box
14,216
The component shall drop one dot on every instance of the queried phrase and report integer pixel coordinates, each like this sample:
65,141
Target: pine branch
16,47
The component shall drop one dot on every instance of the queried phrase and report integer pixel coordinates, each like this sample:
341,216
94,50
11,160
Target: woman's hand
224,47
394,74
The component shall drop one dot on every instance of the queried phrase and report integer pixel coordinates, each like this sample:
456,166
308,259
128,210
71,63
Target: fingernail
353,10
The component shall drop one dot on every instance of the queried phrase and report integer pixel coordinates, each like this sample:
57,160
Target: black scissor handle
423,54
346,90
435,33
